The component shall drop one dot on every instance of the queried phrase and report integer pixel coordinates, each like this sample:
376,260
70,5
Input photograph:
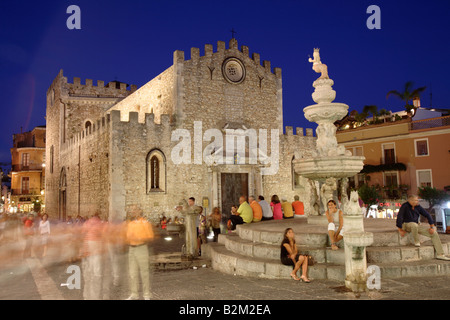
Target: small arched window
154,167
156,171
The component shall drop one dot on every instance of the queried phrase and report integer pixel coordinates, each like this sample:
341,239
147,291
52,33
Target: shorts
333,227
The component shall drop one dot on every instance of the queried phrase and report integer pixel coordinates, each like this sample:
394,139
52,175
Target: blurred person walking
91,263
138,233
44,231
28,232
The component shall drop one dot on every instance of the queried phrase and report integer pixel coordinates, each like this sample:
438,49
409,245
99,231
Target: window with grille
421,147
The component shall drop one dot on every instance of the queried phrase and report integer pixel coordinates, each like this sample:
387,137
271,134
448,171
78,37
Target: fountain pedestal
330,162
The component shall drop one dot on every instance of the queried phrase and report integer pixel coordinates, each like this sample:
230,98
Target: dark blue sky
133,41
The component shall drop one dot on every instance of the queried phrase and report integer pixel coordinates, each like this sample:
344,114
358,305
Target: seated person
299,208
408,221
335,217
288,213
245,211
235,219
289,256
267,213
256,208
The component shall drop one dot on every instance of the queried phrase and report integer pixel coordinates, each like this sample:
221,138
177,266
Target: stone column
355,242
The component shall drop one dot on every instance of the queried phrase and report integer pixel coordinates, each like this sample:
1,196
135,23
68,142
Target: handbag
311,260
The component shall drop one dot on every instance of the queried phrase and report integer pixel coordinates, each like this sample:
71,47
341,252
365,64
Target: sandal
295,277
334,246
304,279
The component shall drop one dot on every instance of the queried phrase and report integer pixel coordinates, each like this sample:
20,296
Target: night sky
133,41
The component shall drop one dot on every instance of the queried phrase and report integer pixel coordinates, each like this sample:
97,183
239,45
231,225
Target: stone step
422,268
230,262
272,251
394,254
316,235
315,239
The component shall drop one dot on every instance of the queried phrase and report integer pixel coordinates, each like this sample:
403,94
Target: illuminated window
421,147
424,178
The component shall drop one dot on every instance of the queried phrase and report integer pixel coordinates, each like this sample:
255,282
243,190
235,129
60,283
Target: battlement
116,85
118,116
221,49
95,129
298,131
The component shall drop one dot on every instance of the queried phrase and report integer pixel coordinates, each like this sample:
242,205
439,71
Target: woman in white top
335,217
44,230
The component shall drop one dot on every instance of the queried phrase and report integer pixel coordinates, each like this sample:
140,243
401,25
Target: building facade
209,127
28,170
402,156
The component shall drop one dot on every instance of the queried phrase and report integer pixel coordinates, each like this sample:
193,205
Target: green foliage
369,194
433,195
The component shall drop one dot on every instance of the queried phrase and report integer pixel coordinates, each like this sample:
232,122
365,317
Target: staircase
254,250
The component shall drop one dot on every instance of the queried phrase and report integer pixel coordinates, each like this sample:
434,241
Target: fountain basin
326,112
319,168
358,238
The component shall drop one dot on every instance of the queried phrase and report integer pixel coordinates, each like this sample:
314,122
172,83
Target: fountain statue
329,163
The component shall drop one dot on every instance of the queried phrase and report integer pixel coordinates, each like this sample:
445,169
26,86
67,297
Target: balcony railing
21,167
430,123
28,191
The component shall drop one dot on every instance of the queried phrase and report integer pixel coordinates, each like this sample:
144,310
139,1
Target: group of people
100,240
407,223
256,210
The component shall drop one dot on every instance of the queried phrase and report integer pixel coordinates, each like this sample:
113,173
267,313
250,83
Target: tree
433,195
407,95
371,109
369,194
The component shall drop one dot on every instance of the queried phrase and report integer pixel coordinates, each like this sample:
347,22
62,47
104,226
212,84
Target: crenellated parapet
298,132
92,132
222,51
99,89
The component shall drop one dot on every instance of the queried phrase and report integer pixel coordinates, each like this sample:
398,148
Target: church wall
205,95
69,106
131,142
156,97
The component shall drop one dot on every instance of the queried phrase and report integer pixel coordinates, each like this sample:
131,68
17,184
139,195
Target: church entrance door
233,185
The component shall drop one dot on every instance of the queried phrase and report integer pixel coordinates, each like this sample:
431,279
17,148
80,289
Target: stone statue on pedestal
189,213
327,191
318,66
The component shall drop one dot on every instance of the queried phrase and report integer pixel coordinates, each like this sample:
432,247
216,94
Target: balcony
430,123
28,192
30,167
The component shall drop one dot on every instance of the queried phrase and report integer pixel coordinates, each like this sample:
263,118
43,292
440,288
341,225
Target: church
208,127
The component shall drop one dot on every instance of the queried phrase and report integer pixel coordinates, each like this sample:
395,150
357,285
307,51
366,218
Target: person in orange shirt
256,207
139,233
298,206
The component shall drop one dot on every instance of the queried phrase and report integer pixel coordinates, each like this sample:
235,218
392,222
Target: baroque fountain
329,164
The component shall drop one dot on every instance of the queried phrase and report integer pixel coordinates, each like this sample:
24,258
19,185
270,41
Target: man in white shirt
267,211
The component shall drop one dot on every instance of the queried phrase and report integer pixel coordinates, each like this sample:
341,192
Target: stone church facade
114,145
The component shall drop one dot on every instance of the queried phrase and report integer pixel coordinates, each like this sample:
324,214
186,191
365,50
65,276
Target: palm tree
373,110
407,95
